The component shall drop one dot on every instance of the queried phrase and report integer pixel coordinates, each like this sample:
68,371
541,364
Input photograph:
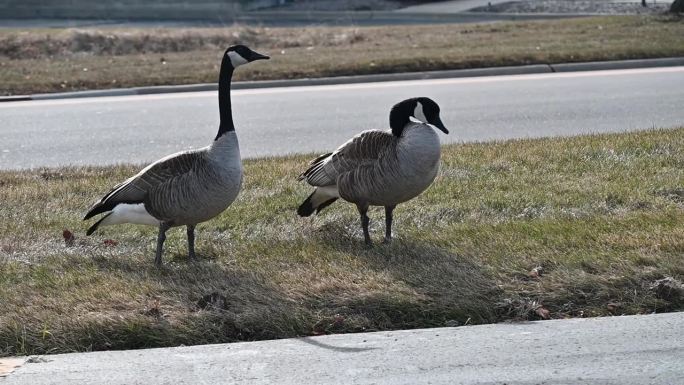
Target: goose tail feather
96,209
97,224
317,201
306,208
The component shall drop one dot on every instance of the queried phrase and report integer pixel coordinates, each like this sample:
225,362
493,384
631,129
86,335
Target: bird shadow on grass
109,302
115,298
431,285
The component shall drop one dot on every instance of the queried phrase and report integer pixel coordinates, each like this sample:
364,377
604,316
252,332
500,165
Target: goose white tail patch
130,213
236,59
418,112
324,194
329,191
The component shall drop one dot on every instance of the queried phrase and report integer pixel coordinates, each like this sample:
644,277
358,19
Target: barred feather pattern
377,168
184,188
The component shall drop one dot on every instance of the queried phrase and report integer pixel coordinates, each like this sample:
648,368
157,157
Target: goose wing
362,150
135,189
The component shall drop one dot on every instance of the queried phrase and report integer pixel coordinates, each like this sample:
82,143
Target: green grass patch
40,60
600,217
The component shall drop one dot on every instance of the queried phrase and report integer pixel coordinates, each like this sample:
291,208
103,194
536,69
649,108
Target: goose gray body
188,187
185,188
378,168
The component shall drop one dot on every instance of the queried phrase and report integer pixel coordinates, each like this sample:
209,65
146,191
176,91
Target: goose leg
363,211
191,242
163,227
388,223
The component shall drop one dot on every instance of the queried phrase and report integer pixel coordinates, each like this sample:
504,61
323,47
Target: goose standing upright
188,187
380,168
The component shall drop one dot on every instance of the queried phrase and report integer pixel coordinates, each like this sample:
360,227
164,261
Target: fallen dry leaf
110,242
7,365
69,237
542,312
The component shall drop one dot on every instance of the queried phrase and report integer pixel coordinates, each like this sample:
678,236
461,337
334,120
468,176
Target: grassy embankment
34,61
572,227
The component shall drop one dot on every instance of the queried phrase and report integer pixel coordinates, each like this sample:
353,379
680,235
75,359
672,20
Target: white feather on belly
130,213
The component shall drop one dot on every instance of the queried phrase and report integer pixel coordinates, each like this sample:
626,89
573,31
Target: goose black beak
438,123
258,56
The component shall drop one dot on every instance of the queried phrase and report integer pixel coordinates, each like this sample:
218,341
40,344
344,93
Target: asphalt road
284,19
457,6
276,121
635,350
453,6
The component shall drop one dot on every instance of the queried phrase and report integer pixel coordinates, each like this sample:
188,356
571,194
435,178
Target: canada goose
188,187
379,168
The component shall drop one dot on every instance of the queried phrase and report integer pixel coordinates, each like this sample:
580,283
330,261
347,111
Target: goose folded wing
136,188
361,150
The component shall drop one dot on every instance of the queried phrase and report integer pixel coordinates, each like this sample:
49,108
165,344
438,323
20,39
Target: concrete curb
495,71
618,65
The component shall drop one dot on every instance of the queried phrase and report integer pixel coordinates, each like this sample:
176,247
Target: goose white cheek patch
418,113
235,59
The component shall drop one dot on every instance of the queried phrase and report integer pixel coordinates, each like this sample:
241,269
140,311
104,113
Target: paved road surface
287,19
278,121
453,6
454,11
636,350
457,6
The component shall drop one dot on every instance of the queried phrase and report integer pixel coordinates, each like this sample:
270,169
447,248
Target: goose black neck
399,118
225,109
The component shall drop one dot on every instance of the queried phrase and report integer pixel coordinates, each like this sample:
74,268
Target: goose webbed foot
161,237
191,242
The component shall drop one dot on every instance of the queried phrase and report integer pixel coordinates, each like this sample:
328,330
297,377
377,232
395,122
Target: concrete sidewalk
614,350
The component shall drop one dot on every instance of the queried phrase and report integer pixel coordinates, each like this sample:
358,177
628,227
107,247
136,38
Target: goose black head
239,54
422,109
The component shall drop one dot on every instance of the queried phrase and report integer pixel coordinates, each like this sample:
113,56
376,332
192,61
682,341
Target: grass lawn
34,61
517,230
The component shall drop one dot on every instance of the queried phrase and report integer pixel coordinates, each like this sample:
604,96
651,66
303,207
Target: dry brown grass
600,217
66,60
